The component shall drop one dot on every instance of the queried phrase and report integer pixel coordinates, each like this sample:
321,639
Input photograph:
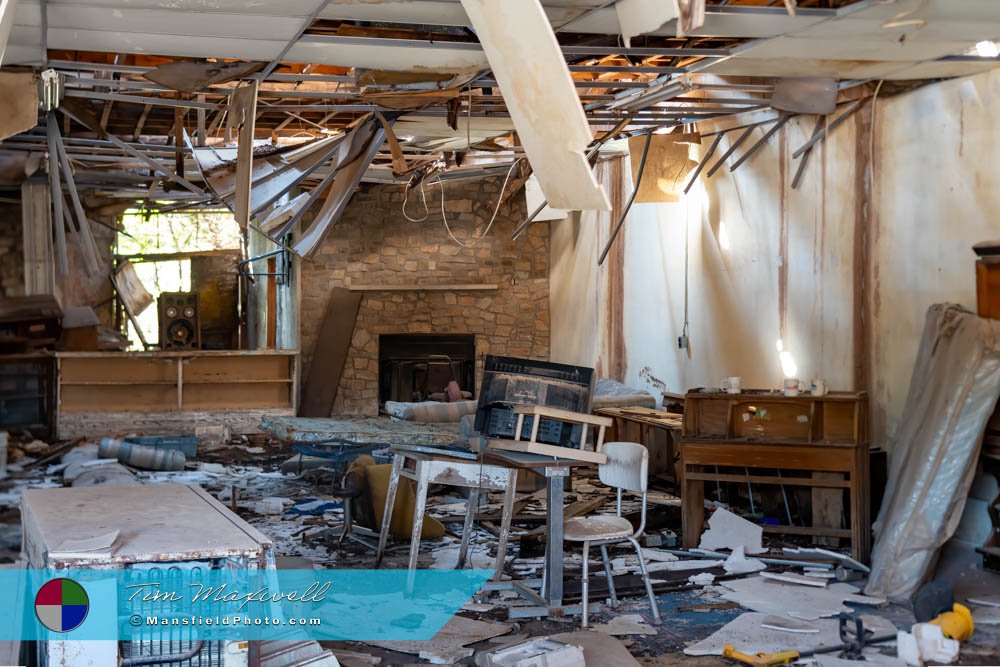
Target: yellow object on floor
402,510
956,624
760,659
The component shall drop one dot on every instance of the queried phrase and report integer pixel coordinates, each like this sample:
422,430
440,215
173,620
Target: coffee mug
731,385
819,387
792,387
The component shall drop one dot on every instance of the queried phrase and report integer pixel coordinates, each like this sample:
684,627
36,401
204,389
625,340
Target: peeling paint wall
765,262
937,154
842,269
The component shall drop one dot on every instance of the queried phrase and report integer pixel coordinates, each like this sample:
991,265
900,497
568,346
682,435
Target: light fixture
987,49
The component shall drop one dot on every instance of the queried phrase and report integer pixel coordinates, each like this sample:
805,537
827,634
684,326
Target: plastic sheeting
953,392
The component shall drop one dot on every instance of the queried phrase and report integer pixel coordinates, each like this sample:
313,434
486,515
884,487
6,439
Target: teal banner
223,604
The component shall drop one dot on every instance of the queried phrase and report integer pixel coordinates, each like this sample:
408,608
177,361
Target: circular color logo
61,605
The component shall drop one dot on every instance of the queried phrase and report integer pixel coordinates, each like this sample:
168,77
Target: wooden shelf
414,287
176,382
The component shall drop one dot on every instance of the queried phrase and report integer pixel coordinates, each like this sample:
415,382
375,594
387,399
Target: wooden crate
837,417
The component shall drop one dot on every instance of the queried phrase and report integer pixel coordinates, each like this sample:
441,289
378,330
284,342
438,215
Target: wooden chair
626,469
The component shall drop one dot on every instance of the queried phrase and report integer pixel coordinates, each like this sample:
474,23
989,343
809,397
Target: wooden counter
105,393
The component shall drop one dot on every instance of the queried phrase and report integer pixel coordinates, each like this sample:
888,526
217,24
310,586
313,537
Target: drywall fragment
748,634
625,624
792,578
538,89
638,17
789,624
738,563
702,579
802,602
99,546
728,531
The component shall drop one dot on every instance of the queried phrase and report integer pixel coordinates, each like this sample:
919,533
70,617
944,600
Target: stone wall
11,252
374,244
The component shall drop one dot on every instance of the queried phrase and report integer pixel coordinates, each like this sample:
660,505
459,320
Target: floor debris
729,531
450,641
749,635
792,578
802,602
625,624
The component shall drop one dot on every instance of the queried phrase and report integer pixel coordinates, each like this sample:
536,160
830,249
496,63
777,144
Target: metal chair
626,469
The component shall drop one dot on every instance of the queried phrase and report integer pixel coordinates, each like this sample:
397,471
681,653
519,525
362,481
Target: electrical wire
423,196
503,189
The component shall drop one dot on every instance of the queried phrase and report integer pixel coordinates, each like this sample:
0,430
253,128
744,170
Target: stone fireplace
418,367
416,280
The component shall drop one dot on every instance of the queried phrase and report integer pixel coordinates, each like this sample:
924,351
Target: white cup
819,387
731,385
792,387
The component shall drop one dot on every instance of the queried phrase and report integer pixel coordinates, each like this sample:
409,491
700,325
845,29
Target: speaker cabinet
180,326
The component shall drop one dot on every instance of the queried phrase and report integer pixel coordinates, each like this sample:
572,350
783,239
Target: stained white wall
739,227
937,158
936,153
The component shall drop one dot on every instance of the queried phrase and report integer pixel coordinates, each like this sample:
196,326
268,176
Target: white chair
626,469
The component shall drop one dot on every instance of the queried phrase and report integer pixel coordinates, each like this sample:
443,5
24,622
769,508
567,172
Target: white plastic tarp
933,459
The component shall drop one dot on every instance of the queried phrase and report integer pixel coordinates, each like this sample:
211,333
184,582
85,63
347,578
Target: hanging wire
503,189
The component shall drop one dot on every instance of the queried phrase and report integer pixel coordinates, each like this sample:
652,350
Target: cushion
430,412
597,527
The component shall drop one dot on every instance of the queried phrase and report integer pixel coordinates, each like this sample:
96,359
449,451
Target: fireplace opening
418,367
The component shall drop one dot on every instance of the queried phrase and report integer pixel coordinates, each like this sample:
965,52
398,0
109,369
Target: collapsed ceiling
154,71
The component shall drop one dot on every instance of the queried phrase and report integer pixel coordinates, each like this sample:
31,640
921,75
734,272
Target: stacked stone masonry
375,244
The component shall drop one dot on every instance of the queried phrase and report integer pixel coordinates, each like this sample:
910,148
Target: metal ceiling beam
271,66
567,49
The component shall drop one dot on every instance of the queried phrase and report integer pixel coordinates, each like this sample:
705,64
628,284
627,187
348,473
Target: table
644,425
555,470
426,469
851,460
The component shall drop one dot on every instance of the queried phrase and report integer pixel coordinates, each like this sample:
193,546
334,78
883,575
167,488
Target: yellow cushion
402,510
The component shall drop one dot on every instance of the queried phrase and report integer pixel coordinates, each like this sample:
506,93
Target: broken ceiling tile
540,95
728,531
20,94
625,624
802,602
811,95
638,17
792,578
667,166
189,76
748,635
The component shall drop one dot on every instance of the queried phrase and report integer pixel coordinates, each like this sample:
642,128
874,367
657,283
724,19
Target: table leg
471,510
390,500
554,540
505,521
418,513
692,509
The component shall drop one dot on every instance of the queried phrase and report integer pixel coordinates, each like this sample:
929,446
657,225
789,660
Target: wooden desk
761,432
427,469
550,602
658,431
